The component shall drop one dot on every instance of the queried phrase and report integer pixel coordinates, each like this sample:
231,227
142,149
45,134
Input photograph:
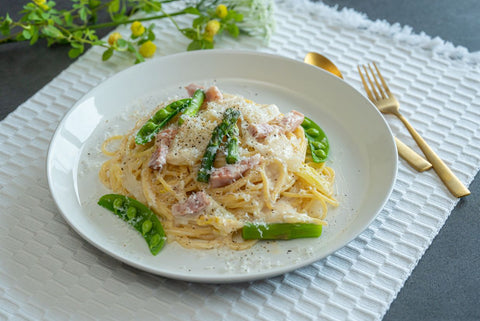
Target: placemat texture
47,272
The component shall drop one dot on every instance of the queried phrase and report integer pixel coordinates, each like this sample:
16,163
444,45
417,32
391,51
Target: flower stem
114,24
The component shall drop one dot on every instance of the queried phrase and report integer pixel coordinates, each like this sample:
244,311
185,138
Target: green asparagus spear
230,118
139,216
159,120
232,146
194,105
280,231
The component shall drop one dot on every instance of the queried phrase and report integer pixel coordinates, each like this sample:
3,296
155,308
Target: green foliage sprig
77,25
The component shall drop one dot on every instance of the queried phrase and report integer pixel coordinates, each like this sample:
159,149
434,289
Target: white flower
258,19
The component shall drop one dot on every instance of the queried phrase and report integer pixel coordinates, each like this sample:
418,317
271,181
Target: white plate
362,153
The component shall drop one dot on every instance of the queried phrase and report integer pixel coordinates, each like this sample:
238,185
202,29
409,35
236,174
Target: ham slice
291,120
286,123
260,131
162,144
194,204
211,94
192,88
229,173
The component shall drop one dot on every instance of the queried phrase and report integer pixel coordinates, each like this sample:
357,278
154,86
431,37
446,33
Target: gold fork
380,95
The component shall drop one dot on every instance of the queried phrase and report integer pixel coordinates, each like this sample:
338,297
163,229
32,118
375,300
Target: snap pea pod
317,140
230,118
280,231
232,145
139,216
159,120
195,103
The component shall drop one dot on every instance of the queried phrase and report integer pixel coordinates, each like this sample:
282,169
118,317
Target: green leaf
190,33
52,31
195,45
51,41
83,13
20,37
35,35
5,26
192,10
26,34
8,19
139,57
114,6
29,7
233,30
152,6
76,45
122,43
107,54
67,16
93,4
207,44
90,34
131,48
5,30
151,35
78,34
45,15
238,17
119,17
199,21
33,16
57,20
93,18
74,53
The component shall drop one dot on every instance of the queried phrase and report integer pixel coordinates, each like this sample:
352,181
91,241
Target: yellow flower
112,39
137,29
147,49
42,4
212,27
221,11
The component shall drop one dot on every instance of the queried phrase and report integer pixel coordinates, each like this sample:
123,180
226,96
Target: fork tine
377,96
379,87
387,90
364,82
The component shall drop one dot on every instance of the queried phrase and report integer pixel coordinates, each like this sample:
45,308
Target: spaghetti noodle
283,186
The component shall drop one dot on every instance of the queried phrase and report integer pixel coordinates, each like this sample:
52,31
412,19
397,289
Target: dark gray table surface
445,285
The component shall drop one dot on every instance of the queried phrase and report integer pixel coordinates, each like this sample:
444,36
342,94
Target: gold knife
412,158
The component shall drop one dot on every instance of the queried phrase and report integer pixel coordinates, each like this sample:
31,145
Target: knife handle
454,185
412,157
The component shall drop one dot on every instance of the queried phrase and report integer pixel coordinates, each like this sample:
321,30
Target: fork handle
454,185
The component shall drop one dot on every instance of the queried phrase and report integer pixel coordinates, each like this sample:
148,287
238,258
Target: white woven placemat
48,272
